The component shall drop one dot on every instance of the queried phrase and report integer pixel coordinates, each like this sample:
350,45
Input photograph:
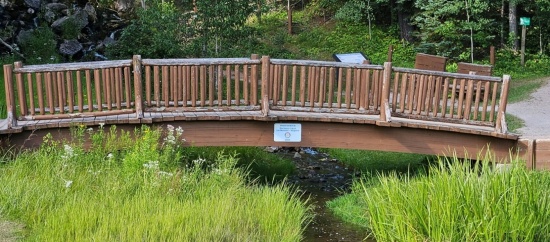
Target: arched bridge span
246,101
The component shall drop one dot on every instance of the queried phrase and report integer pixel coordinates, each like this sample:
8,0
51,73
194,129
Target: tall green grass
141,187
457,202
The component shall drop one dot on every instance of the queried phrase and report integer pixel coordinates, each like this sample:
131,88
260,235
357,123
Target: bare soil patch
10,231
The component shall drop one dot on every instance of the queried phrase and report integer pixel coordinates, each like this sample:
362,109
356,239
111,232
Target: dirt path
535,112
9,231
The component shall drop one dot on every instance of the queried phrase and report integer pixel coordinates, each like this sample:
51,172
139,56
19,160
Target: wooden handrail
446,74
72,66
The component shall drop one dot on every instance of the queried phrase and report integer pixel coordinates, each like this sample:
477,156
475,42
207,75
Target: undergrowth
141,187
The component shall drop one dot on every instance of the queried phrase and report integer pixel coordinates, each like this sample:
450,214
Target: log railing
58,91
201,84
449,97
324,86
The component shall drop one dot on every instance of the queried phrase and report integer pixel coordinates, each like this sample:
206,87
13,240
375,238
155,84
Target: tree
221,21
512,24
446,27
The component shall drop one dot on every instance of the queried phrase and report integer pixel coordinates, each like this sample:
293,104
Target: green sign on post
525,21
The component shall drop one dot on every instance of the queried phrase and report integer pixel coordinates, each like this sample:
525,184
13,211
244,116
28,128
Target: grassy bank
380,161
125,189
454,202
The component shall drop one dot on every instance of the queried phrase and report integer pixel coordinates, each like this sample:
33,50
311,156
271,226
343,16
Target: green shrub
39,46
157,32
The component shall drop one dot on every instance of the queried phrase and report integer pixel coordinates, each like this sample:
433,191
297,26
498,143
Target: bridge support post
500,126
10,99
385,112
138,89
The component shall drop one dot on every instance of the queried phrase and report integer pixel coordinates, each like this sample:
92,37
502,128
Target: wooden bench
430,62
482,70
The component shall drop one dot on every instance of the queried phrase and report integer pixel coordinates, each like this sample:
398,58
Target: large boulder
79,20
34,3
90,10
70,47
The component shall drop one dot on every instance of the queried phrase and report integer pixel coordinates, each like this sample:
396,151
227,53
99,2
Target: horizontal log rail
55,91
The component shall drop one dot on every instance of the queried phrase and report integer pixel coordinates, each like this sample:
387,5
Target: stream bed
322,179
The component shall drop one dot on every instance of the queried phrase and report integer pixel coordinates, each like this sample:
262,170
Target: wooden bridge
245,101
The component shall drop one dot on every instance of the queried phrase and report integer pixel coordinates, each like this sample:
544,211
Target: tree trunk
512,8
405,28
502,40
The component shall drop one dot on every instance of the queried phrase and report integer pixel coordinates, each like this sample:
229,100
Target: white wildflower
68,152
165,174
101,125
90,130
68,183
170,128
151,165
110,156
170,139
199,162
179,131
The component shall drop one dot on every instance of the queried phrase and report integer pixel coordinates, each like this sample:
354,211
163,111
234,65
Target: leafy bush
39,46
157,32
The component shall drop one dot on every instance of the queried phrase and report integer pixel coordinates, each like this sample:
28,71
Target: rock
108,41
70,47
23,36
271,149
4,3
33,3
297,155
79,19
90,10
56,7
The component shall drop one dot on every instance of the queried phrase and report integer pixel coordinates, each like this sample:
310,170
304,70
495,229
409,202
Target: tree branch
11,48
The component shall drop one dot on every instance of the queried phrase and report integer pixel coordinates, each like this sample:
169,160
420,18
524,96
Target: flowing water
323,179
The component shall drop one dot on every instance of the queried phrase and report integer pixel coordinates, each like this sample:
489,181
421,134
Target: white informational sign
357,58
286,132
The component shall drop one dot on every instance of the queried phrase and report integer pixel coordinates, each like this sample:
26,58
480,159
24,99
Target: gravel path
535,112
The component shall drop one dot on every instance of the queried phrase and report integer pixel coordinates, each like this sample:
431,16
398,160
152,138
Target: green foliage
351,11
444,27
70,29
157,32
62,192
508,62
262,165
456,202
39,46
221,22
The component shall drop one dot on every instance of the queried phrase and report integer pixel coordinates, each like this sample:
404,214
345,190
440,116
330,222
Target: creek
321,179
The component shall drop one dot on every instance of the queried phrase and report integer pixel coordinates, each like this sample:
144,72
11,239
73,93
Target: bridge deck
283,116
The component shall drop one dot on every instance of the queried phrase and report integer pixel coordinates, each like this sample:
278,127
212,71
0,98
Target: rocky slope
80,30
